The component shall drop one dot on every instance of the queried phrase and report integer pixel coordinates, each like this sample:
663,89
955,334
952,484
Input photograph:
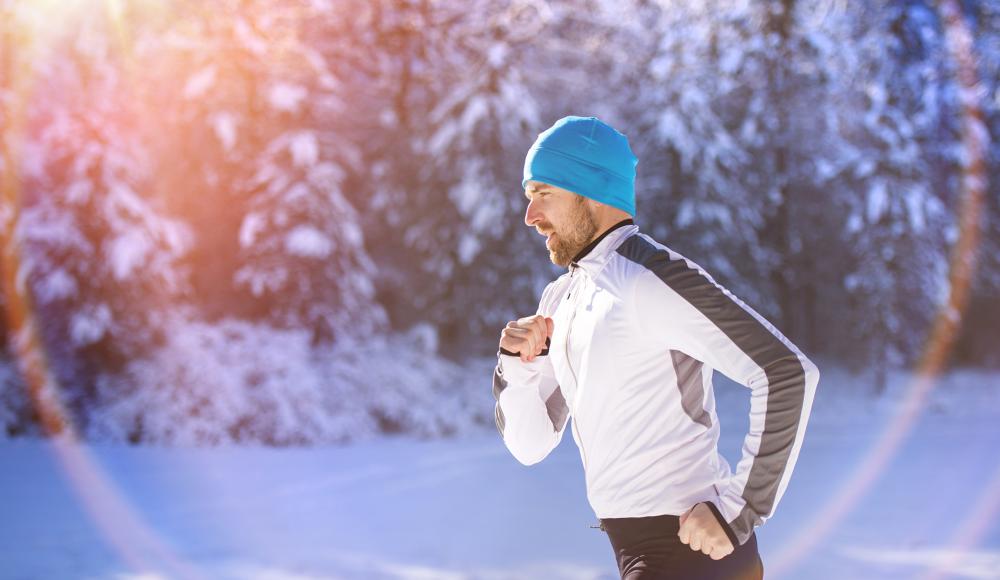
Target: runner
625,343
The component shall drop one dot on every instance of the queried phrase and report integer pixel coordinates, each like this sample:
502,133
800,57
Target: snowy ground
465,509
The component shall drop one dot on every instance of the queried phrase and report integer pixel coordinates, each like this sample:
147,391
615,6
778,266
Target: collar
593,256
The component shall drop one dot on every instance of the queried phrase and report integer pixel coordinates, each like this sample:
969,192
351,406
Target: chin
558,261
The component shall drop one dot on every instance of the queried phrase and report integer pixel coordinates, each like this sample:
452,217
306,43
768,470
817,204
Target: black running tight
648,549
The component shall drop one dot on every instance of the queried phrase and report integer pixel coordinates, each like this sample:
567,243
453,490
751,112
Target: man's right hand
526,336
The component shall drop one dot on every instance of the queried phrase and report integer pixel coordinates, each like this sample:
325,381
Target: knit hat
586,156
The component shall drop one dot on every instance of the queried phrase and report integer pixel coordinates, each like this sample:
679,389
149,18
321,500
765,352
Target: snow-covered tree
692,131
303,246
895,112
241,381
223,382
263,84
302,172
781,125
15,409
99,256
449,196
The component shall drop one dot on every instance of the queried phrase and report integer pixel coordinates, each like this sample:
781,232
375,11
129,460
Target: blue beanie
586,156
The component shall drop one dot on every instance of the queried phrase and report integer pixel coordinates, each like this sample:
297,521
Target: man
625,343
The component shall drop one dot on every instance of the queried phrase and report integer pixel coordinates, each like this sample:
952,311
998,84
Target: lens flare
982,515
119,523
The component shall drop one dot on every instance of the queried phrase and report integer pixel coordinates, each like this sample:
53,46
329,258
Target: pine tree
898,228
279,225
685,106
100,258
452,205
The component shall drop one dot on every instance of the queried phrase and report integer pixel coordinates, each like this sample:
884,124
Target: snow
463,508
236,381
864,108
307,241
12,398
304,148
199,83
224,126
252,223
915,211
261,282
57,285
89,324
286,97
249,38
128,251
468,248
877,201
79,191
497,54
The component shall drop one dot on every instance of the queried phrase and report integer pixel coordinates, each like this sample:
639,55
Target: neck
600,236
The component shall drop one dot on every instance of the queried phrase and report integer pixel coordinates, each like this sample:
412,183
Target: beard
577,234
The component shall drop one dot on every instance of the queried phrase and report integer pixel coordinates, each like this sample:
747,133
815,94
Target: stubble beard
568,244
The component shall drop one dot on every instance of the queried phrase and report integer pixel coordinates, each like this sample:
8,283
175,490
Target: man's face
563,217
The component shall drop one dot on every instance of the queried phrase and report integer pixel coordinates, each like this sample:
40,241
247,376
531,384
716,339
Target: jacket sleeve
531,412
680,307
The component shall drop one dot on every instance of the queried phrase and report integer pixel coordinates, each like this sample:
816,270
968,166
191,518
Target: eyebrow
535,189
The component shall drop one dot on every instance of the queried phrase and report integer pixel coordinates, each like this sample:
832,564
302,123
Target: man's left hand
703,533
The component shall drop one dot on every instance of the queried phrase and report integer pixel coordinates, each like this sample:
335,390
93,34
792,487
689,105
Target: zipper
576,395
569,365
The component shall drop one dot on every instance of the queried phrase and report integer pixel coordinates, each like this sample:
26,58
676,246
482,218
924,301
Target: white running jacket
638,331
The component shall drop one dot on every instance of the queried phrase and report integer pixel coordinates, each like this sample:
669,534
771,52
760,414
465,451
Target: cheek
548,218
558,217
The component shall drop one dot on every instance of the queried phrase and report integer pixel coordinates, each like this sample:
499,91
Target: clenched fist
703,533
526,336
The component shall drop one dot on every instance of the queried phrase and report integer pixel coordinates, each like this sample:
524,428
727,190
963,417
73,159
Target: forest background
297,222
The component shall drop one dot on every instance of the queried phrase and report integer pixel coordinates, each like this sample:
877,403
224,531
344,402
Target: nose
532,215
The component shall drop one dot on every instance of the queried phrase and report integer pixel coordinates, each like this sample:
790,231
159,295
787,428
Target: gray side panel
557,408
555,405
501,421
785,376
689,383
499,384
